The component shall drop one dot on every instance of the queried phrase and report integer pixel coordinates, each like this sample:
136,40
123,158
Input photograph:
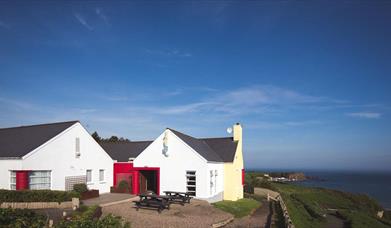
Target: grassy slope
307,205
238,208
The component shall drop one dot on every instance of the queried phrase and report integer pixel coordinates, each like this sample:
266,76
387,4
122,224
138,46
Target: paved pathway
109,199
258,219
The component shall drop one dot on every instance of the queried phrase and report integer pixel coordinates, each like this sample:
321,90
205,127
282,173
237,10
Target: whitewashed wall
5,167
59,156
181,158
216,189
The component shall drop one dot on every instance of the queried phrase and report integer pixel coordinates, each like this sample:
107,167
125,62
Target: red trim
243,176
128,168
22,180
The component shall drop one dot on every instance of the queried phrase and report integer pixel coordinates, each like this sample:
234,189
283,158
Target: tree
96,136
113,138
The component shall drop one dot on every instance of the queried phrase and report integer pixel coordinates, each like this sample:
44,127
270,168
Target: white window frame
101,175
40,178
77,147
189,174
12,177
89,181
215,180
211,182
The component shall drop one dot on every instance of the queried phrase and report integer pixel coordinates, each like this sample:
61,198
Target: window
89,175
39,180
101,175
215,181
77,147
191,182
211,181
13,180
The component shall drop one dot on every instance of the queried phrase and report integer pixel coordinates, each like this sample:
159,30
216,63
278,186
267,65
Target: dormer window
77,147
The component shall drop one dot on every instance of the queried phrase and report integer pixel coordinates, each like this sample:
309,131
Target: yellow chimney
237,132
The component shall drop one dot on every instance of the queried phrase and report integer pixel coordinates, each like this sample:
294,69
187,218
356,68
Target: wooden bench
180,197
153,201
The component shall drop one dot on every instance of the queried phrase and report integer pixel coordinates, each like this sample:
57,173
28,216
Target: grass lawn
238,208
307,206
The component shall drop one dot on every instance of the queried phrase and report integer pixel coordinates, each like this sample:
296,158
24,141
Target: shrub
249,188
80,188
88,218
123,185
21,218
37,196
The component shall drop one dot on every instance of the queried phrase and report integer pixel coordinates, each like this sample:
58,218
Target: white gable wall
59,156
181,158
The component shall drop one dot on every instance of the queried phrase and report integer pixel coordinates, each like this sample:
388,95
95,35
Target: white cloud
170,52
101,15
82,21
253,99
366,115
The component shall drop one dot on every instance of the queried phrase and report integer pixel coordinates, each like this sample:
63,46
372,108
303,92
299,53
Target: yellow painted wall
233,188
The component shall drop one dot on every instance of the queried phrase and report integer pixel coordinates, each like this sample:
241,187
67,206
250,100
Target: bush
123,185
21,218
88,218
80,188
37,196
249,188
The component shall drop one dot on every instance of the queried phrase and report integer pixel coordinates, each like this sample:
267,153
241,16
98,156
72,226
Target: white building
53,156
58,155
178,162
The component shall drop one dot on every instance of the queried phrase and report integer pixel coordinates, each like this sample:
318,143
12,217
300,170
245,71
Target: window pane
191,182
39,180
12,180
89,175
101,175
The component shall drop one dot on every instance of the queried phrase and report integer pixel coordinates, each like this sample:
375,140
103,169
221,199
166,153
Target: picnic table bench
153,201
180,197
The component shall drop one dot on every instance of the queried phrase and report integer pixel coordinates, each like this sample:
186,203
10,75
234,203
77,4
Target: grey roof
212,149
224,147
16,142
122,151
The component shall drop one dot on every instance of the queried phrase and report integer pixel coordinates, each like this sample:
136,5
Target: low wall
41,205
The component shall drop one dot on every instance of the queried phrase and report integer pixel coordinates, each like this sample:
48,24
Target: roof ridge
124,142
36,125
230,137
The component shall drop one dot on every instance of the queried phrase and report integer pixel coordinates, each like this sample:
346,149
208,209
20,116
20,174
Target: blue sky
310,82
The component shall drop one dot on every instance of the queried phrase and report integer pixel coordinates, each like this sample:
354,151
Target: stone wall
41,205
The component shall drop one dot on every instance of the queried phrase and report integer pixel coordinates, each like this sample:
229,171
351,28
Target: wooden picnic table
180,197
153,201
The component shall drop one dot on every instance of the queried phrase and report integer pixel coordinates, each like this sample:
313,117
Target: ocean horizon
376,184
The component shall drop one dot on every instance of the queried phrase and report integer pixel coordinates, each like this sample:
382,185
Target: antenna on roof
229,130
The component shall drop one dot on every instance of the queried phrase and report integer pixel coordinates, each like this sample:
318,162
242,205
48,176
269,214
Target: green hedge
88,217
80,188
21,218
36,196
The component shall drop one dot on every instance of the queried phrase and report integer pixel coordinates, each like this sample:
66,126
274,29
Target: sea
375,184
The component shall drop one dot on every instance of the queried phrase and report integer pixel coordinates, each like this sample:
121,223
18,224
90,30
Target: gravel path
197,214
